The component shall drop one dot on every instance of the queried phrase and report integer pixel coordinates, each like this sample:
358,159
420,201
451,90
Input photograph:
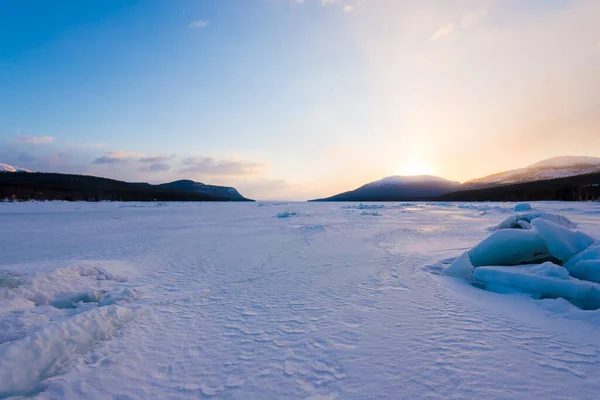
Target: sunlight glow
416,167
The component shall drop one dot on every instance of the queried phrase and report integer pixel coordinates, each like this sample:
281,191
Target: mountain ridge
427,187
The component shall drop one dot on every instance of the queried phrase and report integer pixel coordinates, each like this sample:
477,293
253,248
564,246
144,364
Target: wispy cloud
31,139
348,8
116,157
155,159
444,31
328,2
156,167
198,24
211,166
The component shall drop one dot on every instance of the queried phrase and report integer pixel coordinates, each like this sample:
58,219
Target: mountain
398,188
10,168
573,188
187,185
552,168
50,186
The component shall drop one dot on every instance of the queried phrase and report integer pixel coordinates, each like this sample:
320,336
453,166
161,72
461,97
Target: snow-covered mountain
399,188
10,168
551,168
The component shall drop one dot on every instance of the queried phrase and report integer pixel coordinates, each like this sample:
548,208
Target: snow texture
196,300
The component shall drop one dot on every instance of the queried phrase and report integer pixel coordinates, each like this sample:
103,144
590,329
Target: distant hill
573,188
187,185
398,188
50,186
552,168
549,172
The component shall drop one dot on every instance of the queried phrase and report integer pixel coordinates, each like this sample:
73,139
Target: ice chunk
591,253
510,247
545,280
588,270
371,213
562,242
522,207
461,267
524,225
513,222
49,351
287,214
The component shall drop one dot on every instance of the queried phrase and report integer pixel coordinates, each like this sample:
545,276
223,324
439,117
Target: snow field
226,301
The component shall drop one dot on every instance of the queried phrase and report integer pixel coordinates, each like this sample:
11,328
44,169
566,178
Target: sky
296,99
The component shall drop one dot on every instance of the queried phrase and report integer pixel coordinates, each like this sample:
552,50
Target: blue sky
295,99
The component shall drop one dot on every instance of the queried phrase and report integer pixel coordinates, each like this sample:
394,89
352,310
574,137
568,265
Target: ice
192,300
562,242
591,253
461,267
545,280
287,214
523,207
510,247
513,221
371,213
362,206
588,270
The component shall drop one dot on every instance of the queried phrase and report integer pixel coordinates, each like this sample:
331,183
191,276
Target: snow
10,168
552,168
26,364
194,300
566,161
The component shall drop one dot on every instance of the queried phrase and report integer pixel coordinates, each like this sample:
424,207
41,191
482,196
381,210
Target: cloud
156,167
109,160
329,2
116,157
444,31
155,159
31,139
348,8
198,24
210,166
155,163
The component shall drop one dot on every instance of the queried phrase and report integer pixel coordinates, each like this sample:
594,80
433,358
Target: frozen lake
276,300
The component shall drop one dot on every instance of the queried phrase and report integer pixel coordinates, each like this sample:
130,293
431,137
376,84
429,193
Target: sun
416,167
